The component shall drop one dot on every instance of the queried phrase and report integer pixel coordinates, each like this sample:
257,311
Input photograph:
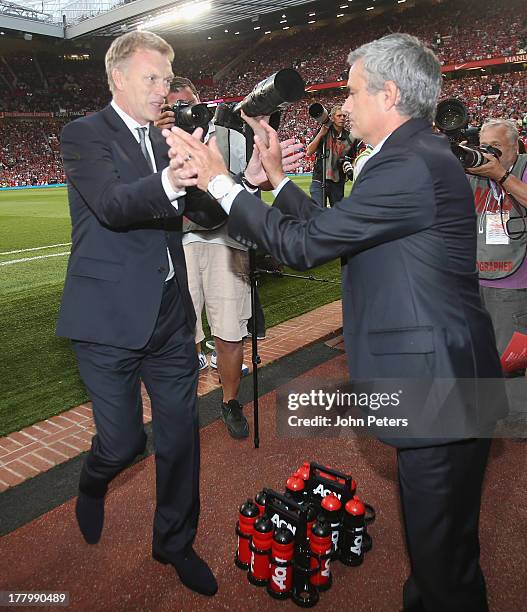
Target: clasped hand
193,163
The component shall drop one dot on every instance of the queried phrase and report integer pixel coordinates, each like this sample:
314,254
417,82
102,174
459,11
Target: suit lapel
125,142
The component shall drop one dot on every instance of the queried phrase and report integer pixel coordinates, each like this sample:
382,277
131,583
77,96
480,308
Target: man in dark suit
411,303
126,304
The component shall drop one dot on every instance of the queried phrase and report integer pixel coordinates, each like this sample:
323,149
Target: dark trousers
168,367
334,192
441,495
508,311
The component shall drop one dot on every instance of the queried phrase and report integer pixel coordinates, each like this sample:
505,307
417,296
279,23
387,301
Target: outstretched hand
270,154
291,151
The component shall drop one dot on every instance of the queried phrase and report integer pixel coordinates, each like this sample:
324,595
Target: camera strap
499,193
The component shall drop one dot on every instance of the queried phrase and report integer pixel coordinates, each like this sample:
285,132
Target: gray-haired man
500,194
411,302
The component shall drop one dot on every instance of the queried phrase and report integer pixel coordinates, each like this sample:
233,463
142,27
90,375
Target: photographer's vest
498,255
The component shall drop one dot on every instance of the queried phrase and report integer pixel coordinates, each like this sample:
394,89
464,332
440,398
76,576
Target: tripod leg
255,357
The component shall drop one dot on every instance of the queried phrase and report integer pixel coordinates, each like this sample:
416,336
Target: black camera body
188,116
452,120
226,117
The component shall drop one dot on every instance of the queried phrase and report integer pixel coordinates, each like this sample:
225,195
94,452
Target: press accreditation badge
495,224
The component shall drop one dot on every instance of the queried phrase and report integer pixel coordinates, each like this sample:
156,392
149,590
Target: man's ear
118,76
392,95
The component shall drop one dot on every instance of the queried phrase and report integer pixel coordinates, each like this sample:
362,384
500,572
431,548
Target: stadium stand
29,153
61,87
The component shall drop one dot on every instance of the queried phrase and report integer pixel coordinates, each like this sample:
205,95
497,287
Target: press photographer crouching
331,144
500,194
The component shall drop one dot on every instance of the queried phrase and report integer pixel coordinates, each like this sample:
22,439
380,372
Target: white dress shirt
172,195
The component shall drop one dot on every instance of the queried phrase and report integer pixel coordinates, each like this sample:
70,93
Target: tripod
324,163
254,272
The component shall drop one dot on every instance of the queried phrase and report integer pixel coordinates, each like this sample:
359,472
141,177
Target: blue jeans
334,192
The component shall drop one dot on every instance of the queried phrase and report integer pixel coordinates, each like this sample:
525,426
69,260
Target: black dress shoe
193,572
90,517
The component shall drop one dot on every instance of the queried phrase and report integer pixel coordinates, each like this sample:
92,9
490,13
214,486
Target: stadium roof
78,18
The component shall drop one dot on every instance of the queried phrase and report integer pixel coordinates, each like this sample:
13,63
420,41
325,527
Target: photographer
500,194
338,143
218,277
218,270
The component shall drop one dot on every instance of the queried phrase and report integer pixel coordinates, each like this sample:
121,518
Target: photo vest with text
496,261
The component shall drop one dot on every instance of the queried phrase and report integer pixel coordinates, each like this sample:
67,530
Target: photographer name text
322,400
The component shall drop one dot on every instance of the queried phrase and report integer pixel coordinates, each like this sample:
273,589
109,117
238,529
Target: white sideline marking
51,246
15,261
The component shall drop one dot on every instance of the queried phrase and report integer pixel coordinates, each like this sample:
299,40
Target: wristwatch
219,186
248,184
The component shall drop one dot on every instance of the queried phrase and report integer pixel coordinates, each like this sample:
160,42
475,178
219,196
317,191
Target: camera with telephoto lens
320,114
347,166
269,97
452,120
188,116
472,157
274,93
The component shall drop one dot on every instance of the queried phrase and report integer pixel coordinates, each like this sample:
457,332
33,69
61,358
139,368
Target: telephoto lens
276,92
320,114
347,166
451,116
472,157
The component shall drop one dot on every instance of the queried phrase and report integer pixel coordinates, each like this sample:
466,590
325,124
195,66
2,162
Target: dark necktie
142,144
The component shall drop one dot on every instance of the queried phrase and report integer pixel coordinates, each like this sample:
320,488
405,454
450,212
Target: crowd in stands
458,32
29,152
476,29
498,95
202,64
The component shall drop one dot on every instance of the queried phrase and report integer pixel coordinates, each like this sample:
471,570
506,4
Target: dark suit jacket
407,234
122,223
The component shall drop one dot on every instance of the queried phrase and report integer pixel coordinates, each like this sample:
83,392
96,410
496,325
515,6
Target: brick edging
33,450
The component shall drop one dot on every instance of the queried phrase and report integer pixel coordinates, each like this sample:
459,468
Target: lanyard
498,195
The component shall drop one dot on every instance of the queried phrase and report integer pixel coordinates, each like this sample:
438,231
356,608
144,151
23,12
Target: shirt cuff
281,185
170,193
227,200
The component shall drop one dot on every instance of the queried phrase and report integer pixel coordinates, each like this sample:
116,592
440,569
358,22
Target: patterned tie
142,144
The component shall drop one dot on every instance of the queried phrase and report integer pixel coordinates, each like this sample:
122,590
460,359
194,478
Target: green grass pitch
39,377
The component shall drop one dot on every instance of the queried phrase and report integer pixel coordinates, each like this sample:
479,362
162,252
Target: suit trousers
441,496
168,367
